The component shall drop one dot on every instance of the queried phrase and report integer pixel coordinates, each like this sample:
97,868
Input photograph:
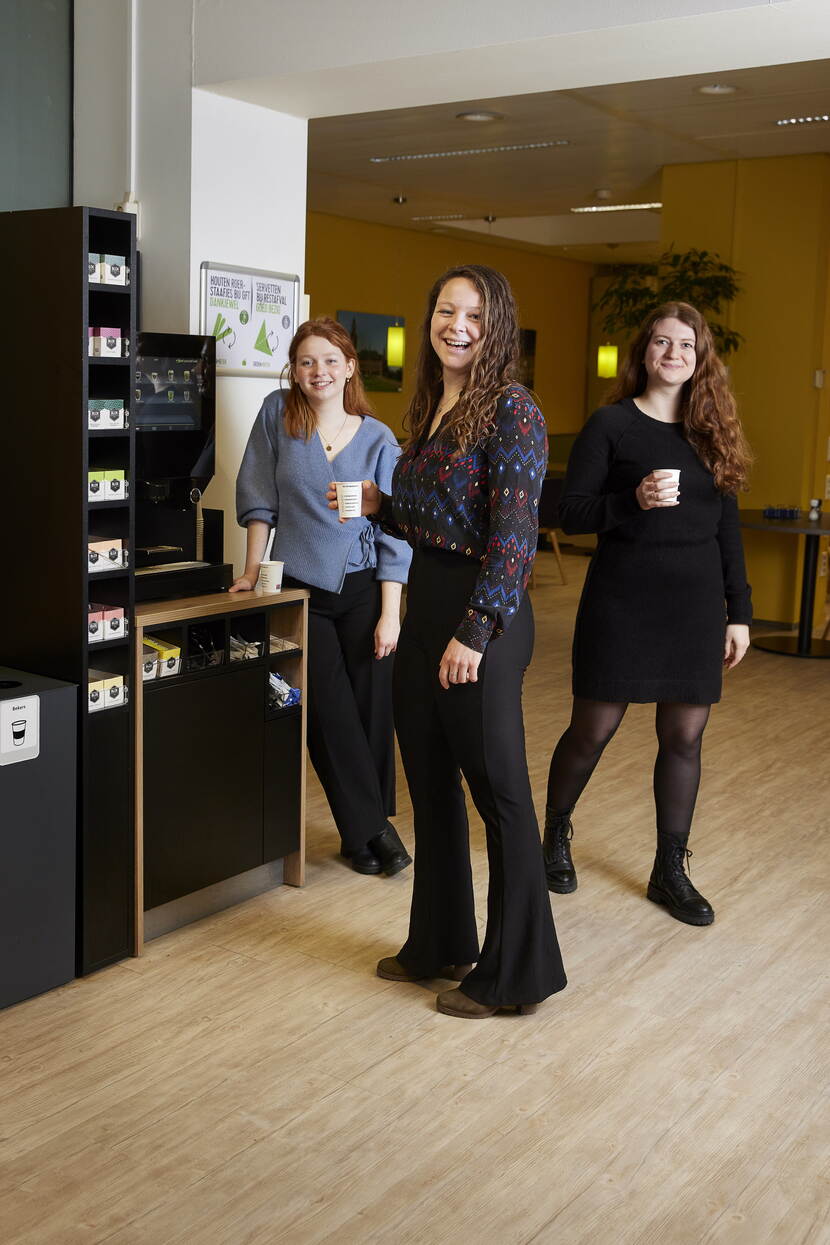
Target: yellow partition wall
770,219
355,266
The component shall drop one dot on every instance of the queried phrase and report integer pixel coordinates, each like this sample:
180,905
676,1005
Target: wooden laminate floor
251,1080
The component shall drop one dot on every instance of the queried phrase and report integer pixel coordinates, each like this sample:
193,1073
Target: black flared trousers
351,739
475,729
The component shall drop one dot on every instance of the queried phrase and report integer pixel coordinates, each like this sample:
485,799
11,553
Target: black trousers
475,729
349,707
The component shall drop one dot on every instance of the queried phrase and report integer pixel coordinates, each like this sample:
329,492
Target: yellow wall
770,219
354,266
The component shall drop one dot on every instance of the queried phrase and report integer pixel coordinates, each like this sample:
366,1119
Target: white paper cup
349,498
270,576
673,477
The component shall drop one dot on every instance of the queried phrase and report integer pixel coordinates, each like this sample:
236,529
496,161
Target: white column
248,207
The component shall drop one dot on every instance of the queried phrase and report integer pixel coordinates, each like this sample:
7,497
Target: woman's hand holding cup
659,488
370,501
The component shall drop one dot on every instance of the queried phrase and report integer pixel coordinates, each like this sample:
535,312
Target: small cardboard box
95,489
114,270
115,485
95,624
104,342
149,663
96,699
105,555
169,656
114,691
115,622
94,263
106,413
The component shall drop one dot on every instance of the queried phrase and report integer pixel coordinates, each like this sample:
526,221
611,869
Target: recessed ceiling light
816,120
620,207
717,88
449,216
479,116
469,151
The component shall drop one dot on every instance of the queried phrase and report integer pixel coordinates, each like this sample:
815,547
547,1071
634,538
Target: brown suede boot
391,969
457,1003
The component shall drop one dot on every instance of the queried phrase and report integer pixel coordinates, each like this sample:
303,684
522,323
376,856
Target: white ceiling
620,136
272,41
324,58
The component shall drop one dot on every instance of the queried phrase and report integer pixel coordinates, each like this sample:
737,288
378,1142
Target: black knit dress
664,582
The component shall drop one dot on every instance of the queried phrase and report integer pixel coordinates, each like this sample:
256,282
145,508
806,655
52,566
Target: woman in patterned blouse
465,495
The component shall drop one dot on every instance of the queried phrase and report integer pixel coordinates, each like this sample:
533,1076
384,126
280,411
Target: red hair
707,408
300,420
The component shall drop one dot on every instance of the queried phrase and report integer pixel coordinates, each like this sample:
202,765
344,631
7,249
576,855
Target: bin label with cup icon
19,730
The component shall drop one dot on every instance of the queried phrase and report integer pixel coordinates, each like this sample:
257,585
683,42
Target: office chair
552,489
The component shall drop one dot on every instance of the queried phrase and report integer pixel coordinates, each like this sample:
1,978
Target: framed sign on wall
252,314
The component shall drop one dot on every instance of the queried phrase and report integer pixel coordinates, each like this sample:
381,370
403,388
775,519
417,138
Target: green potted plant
697,277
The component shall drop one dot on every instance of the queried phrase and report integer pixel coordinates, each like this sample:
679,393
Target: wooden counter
265,615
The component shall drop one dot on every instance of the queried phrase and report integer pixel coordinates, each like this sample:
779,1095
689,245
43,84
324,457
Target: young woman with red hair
322,424
666,606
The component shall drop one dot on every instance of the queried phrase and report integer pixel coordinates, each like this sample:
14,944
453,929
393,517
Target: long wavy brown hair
707,407
493,365
300,420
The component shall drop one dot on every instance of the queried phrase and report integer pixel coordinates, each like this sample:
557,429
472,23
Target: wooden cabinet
220,779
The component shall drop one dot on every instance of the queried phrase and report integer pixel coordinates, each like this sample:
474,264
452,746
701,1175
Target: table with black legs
802,645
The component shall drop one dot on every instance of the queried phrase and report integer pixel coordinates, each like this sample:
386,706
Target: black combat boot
669,884
559,865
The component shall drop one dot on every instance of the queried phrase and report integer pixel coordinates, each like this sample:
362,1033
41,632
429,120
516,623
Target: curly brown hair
493,364
300,420
707,408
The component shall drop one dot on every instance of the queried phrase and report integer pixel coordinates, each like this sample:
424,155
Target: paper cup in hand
270,576
349,498
671,475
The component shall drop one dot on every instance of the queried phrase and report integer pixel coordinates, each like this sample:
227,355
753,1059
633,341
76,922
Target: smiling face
455,328
321,370
670,356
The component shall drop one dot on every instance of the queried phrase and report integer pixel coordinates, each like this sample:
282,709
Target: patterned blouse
482,505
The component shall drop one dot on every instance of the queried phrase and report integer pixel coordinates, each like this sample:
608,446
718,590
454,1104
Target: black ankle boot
669,885
559,865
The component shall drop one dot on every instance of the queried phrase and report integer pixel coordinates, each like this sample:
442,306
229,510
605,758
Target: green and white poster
253,316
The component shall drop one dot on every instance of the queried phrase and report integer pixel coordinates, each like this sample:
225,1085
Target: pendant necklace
328,448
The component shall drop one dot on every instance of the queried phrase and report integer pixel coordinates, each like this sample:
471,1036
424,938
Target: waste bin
38,736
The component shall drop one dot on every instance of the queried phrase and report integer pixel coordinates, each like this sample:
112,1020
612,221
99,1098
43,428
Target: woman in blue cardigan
322,426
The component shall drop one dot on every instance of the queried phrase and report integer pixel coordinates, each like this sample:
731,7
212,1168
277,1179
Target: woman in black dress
465,495
666,606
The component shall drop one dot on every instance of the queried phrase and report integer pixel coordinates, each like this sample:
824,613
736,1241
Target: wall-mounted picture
526,363
379,342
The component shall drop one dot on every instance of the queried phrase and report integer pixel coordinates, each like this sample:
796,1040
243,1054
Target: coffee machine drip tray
181,579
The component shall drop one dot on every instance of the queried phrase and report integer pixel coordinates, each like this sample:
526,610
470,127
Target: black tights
593,723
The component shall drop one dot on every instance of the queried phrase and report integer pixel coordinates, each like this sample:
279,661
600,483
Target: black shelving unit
46,523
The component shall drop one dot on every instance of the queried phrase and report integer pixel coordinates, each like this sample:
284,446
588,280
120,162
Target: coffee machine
178,543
